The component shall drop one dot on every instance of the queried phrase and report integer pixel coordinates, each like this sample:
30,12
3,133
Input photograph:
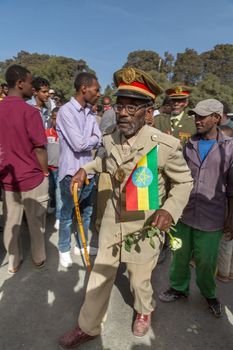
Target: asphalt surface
37,306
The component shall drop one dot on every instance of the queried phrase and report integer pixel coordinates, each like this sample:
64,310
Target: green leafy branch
147,232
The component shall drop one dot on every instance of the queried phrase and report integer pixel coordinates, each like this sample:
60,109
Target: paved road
37,306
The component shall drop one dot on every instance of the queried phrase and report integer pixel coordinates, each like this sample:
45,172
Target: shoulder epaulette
168,140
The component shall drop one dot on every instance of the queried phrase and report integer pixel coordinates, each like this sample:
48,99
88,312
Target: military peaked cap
178,91
134,83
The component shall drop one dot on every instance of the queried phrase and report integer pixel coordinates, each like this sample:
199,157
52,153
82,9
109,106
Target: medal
120,175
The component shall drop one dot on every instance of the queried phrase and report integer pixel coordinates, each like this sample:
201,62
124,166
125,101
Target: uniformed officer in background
178,123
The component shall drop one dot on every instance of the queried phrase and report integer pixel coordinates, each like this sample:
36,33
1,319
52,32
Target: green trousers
203,246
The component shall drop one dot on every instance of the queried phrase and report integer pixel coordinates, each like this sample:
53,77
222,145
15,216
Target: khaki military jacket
183,130
117,222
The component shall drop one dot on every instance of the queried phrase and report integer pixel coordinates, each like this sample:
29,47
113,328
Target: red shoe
72,339
141,325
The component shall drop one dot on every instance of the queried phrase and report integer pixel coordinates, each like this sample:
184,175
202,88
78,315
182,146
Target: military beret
178,91
134,83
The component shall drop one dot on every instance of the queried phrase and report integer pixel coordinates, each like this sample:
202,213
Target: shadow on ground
37,306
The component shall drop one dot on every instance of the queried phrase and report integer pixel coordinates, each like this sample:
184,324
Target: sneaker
77,251
57,224
91,251
65,259
215,307
171,295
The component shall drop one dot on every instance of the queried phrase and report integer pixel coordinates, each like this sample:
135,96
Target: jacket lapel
116,150
193,145
141,147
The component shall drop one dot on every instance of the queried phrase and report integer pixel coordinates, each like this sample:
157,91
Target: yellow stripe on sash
143,196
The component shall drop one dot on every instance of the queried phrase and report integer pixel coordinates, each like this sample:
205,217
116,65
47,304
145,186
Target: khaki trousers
34,202
101,280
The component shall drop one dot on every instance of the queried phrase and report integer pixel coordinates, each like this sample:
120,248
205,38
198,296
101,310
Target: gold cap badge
129,75
178,89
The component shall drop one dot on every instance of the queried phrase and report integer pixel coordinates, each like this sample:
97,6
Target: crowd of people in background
50,145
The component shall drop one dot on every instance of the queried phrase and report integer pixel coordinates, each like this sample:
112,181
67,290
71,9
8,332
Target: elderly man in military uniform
178,123
126,146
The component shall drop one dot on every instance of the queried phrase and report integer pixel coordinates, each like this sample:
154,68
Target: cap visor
178,97
199,111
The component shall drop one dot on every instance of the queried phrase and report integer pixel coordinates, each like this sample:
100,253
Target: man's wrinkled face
205,124
92,93
178,105
43,94
130,123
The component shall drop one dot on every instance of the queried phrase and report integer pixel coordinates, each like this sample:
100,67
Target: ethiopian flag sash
142,192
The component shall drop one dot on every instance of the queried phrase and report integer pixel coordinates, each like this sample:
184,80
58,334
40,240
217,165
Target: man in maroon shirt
24,168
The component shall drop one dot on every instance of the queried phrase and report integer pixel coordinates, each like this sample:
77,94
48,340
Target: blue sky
103,32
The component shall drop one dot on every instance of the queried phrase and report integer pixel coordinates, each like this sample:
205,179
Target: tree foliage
210,74
60,71
188,67
109,90
211,87
219,62
149,61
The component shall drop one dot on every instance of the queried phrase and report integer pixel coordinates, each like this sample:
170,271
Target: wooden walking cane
80,224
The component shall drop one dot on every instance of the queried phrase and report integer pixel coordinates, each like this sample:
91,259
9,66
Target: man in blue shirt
41,98
209,155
